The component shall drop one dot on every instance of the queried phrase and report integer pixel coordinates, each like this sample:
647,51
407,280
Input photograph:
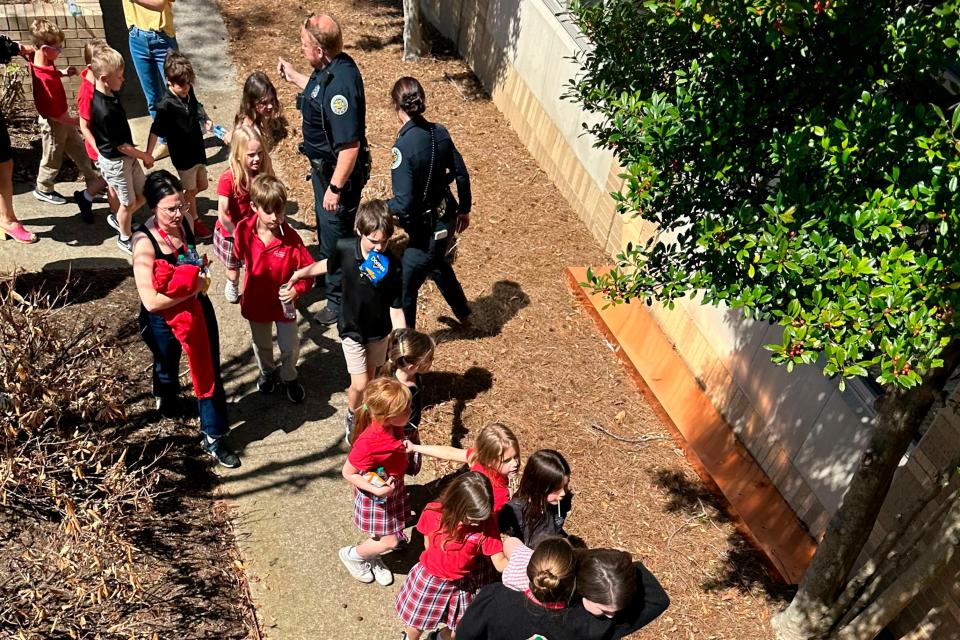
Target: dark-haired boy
178,119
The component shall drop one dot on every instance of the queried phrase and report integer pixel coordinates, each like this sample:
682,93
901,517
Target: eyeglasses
54,47
180,208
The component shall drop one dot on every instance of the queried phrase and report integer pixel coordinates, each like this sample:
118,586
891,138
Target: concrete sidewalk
293,509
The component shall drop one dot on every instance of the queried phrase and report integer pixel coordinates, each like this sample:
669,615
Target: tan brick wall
15,21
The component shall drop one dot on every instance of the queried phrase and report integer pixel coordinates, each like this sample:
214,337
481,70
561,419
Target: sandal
19,233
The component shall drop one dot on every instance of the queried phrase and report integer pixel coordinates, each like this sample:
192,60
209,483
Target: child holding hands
271,250
380,508
58,129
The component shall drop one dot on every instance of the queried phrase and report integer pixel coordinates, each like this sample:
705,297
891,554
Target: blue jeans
149,51
166,352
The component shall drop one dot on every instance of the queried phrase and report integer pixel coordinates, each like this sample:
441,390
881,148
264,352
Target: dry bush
70,500
11,86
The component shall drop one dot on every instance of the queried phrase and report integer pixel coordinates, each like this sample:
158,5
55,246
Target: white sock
353,555
87,196
124,238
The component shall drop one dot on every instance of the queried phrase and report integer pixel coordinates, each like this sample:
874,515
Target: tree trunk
812,613
931,565
412,30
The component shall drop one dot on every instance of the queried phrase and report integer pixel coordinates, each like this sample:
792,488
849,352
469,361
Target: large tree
799,162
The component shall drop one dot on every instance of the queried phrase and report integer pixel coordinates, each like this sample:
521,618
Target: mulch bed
533,358
193,583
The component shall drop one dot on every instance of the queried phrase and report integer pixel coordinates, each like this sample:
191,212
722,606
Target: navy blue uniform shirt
334,110
417,189
178,122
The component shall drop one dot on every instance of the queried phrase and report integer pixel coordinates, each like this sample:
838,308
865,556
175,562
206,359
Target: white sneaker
231,292
381,574
358,569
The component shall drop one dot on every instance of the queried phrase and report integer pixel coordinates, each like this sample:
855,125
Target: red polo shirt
500,483
378,446
267,267
84,96
239,207
48,93
447,558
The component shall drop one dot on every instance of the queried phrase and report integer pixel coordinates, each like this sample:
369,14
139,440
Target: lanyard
166,239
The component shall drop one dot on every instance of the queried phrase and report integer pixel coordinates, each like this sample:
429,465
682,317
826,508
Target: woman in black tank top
168,236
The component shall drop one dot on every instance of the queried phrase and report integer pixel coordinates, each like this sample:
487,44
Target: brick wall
15,21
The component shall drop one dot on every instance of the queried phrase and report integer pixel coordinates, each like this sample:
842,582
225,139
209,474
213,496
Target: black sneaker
85,206
124,245
327,316
216,449
266,383
113,222
295,393
172,407
51,197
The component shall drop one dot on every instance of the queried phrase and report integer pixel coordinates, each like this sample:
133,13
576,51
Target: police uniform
334,115
424,163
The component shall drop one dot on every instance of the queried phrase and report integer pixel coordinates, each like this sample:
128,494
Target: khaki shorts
193,176
125,176
358,356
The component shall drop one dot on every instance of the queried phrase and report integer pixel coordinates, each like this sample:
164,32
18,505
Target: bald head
326,31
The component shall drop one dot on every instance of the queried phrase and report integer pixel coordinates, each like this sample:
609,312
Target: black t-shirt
419,144
513,521
499,613
334,109
108,122
178,121
365,308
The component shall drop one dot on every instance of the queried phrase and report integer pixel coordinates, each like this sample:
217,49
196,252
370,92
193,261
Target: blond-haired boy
118,157
58,130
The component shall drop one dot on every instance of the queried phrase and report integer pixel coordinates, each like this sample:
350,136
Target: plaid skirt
482,574
426,600
223,249
385,519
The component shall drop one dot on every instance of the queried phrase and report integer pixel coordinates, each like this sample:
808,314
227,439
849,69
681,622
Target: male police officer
334,139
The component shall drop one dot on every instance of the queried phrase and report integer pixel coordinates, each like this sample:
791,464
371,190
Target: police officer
334,139
424,163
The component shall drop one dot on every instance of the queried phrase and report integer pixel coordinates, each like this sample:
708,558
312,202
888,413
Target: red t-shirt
267,268
84,96
500,483
48,93
239,207
378,446
446,558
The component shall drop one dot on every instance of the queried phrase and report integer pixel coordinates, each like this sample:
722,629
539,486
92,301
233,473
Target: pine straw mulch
191,578
533,358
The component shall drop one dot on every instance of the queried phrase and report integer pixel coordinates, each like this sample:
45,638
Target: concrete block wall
805,434
15,21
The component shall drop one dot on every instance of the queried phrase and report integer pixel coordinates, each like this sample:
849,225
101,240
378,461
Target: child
380,509
118,157
259,108
540,506
271,251
457,530
495,454
410,353
178,122
88,84
58,130
248,159
372,297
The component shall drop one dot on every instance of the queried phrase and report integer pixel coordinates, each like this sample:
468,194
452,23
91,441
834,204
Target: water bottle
73,8
289,308
219,131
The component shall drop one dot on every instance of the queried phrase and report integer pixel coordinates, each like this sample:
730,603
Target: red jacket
266,268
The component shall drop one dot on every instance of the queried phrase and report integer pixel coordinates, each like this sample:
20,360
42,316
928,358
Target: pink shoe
18,233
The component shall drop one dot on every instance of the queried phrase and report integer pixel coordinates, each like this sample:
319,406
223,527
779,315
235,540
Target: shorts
385,519
191,177
358,356
425,600
223,249
6,147
123,175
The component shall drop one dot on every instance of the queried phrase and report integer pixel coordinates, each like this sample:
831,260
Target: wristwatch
335,189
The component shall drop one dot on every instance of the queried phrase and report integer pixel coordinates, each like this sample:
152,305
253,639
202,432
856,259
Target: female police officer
425,162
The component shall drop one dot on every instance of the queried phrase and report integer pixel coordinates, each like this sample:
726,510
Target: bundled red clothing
186,321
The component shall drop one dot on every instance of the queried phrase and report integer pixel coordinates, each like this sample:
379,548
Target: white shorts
193,176
358,356
123,175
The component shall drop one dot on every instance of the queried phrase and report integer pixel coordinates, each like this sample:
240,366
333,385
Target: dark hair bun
545,580
412,104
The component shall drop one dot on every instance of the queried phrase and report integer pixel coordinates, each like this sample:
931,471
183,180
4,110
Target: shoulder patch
339,104
395,158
